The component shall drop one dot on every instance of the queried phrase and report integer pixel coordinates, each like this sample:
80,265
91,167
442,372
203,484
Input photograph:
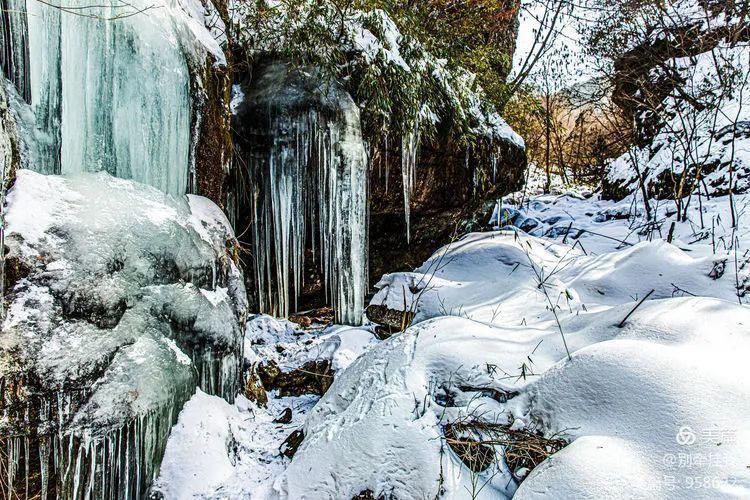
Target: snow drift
652,400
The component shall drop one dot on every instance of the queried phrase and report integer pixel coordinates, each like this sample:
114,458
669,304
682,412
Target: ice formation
371,40
109,85
409,152
118,311
308,168
14,57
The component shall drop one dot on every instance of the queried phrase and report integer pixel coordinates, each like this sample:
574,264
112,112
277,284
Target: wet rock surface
453,185
314,377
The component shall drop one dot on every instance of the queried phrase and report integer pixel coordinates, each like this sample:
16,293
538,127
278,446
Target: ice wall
14,56
124,86
109,85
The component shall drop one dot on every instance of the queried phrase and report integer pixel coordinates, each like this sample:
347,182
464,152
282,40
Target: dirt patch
314,377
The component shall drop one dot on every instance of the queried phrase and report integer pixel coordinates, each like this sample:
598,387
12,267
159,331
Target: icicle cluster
111,464
312,194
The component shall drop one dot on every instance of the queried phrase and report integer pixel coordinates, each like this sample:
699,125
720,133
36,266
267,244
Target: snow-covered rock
683,86
122,301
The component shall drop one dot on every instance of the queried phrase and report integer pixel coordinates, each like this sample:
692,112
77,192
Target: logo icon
686,436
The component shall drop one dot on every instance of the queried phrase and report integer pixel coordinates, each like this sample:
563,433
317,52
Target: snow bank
655,412
627,393
652,401
218,450
654,408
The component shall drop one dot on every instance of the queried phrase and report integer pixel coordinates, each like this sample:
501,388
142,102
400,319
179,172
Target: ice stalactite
309,170
409,152
107,463
314,192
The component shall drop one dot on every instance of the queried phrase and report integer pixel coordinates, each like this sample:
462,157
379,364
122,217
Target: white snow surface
218,450
655,408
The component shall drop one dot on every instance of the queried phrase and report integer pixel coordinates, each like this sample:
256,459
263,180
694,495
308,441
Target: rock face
451,194
211,155
122,301
301,191
682,88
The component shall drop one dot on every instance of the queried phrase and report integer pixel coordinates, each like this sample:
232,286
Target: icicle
409,150
387,165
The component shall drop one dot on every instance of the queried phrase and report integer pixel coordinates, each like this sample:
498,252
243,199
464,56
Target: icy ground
653,401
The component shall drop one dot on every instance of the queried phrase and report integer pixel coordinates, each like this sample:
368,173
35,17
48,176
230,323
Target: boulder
453,187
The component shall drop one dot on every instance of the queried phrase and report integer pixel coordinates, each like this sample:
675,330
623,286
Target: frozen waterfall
308,171
109,86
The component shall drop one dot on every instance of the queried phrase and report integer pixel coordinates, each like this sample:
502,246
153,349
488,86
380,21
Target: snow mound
631,392
664,400
652,405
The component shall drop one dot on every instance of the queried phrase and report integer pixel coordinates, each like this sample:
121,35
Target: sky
564,56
